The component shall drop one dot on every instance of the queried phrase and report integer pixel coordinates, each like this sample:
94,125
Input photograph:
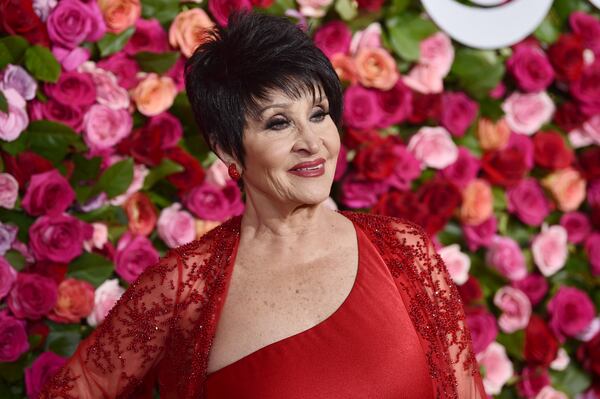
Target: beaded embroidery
162,328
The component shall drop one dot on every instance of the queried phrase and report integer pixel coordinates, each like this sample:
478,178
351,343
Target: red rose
470,291
375,161
589,354
568,116
39,328
354,138
407,205
193,173
370,5
550,151
55,270
589,163
17,18
541,346
144,145
425,106
24,165
566,56
504,167
440,197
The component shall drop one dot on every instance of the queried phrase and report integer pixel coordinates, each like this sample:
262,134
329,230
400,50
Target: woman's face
291,150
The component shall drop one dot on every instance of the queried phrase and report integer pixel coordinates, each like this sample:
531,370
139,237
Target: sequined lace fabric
161,330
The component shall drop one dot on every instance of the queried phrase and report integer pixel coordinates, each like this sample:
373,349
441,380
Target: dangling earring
233,172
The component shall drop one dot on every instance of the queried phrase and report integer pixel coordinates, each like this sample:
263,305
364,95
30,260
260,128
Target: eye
320,115
277,124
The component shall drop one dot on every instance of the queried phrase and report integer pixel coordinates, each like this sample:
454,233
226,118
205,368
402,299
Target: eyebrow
286,105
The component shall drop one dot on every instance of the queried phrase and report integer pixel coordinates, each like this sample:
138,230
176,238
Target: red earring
233,172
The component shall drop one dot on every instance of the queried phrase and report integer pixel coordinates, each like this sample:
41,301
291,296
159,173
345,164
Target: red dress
368,348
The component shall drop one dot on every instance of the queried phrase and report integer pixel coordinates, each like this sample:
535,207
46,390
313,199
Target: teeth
311,168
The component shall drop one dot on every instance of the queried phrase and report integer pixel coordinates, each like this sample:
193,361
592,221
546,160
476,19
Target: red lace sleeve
447,311
121,353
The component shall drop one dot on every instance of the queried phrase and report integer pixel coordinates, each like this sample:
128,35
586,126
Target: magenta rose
587,89
13,338
571,311
73,88
578,226
525,146
69,114
170,129
592,249
210,202
361,108
357,193
482,325
464,170
458,112
333,37
505,255
528,202
593,193
535,286
406,168
480,235
134,254
124,68
59,238
342,163
49,193
587,27
395,105
8,276
71,59
72,22
177,73
220,9
533,380
530,68
149,36
41,371
32,296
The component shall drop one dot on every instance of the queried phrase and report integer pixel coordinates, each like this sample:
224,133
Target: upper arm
114,359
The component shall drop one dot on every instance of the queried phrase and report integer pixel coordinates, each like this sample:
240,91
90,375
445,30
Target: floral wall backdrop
496,153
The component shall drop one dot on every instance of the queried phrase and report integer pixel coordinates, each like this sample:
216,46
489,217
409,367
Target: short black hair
235,68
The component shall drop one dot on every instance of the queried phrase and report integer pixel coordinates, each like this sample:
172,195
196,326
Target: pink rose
49,193
464,170
213,203
105,127
395,105
32,296
220,9
15,77
149,36
549,249
13,337
526,113
578,226
505,256
587,89
73,88
71,59
357,193
592,249
516,309
530,68
175,226
590,130
134,253
99,237
482,325
548,392
44,367
434,147
361,109
9,190
73,22
58,238
170,128
437,51
406,169
571,311
123,67
105,297
366,38
16,120
497,366
480,235
333,37
457,263
458,112
528,202
8,275
108,91
535,286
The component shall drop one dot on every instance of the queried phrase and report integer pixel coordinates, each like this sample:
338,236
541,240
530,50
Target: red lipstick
314,168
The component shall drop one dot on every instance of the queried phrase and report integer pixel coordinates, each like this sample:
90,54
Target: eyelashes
281,123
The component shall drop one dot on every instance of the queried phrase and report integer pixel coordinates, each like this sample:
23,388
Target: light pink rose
437,52
424,79
548,392
8,233
457,263
105,127
16,120
9,190
591,129
515,306
505,255
8,275
175,226
526,113
314,8
549,249
43,7
366,38
562,360
15,77
434,147
139,174
71,59
99,237
108,90
497,366
105,297
218,173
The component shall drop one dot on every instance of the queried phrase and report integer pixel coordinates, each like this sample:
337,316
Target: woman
290,300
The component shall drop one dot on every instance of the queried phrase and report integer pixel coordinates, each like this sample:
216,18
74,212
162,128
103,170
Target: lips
309,169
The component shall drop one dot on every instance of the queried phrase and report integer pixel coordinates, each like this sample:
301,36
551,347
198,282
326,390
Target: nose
308,139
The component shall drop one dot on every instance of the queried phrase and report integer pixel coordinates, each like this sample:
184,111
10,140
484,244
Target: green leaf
491,108
85,169
51,139
549,30
12,50
156,62
163,10
92,268
16,259
111,43
116,179
397,6
478,71
18,218
5,56
406,31
499,198
165,168
63,343
514,343
42,64
3,102
347,9
571,381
